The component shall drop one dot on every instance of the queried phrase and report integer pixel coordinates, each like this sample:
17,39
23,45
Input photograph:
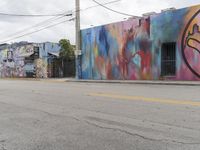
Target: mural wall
180,26
12,61
131,50
22,60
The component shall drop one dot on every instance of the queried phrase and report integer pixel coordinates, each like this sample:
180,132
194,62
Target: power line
111,2
32,15
48,15
57,17
122,13
40,24
50,26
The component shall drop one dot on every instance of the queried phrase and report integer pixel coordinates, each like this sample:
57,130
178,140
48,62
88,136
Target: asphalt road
51,115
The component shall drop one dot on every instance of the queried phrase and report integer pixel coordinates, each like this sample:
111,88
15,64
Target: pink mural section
190,46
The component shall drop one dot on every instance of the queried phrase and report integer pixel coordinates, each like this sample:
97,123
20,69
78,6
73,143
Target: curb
136,82
22,79
142,82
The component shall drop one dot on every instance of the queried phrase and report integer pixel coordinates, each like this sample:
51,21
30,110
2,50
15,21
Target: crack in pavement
138,135
103,127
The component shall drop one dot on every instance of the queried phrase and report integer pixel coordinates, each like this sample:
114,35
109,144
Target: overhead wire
110,9
17,37
36,25
49,15
59,17
30,15
111,2
40,24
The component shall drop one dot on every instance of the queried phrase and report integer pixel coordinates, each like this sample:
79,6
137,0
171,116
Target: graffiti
191,41
40,68
10,55
29,60
118,51
132,49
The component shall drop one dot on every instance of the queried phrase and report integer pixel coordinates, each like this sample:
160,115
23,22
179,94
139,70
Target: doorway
168,59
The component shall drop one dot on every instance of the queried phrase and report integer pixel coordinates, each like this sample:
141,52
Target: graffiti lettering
192,41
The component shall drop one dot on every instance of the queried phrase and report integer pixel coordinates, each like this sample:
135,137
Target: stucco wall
131,50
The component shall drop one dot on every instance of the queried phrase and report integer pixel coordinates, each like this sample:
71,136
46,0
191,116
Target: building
164,46
25,59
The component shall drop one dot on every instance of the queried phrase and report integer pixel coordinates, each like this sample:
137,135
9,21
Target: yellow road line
146,99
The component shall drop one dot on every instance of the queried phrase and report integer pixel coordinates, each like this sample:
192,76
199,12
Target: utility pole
78,41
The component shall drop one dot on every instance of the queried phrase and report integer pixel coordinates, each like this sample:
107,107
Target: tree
67,50
67,58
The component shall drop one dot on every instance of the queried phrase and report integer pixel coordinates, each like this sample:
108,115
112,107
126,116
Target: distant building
158,46
25,59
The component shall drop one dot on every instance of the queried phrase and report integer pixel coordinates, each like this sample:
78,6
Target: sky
9,26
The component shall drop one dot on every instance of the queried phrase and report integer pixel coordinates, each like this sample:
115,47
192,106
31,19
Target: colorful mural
41,68
190,43
12,61
177,26
131,50
20,60
117,51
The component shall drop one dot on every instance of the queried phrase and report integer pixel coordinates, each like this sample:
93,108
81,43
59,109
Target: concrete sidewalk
152,82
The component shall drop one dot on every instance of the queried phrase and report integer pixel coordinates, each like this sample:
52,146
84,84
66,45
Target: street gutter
147,82
143,82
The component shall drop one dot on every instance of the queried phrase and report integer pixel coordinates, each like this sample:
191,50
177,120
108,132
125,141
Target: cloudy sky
12,27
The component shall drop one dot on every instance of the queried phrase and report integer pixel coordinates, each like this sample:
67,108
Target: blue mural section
165,28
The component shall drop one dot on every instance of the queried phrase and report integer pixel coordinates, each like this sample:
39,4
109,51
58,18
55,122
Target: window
168,59
36,52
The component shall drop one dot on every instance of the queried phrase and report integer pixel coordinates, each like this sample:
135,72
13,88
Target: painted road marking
146,99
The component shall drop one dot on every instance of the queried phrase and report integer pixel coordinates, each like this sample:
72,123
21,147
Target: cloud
94,17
